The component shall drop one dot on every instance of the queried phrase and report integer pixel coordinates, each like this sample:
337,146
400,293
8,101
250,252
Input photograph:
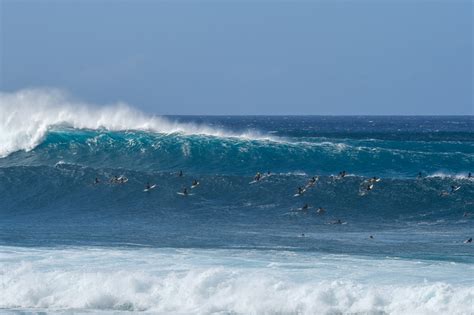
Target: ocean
71,245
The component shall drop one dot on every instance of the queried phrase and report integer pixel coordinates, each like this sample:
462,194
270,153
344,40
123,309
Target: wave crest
27,115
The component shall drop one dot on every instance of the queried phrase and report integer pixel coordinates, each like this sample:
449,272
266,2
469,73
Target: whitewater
73,240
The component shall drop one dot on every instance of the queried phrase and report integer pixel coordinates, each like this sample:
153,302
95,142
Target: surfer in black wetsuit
148,185
180,174
320,210
420,175
468,240
469,175
195,182
185,191
305,207
300,190
96,181
370,187
258,176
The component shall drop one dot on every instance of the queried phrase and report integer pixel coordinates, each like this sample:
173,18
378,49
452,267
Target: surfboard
122,179
299,194
309,185
456,189
337,223
151,187
183,194
301,209
194,186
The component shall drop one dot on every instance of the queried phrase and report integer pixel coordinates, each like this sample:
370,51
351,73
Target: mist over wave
27,115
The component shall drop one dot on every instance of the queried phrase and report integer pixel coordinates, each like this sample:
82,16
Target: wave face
53,148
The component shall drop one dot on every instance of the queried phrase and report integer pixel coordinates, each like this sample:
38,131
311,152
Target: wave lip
27,115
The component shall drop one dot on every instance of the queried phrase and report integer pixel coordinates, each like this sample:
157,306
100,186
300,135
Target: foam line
199,282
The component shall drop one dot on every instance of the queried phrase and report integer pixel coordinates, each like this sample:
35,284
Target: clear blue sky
246,57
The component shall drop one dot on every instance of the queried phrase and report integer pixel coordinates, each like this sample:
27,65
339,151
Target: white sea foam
441,174
162,281
27,115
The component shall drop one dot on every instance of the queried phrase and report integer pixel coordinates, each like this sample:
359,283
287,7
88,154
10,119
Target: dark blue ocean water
47,195
49,202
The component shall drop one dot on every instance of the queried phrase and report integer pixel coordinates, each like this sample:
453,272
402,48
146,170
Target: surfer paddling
301,191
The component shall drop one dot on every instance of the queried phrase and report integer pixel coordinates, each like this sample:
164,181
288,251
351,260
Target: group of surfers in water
259,176
122,180
300,191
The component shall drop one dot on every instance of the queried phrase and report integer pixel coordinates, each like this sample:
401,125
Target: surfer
454,188
312,181
180,173
305,207
300,190
469,175
114,179
185,191
258,176
370,187
342,174
96,181
419,175
371,237
338,221
320,210
148,186
468,240
195,183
